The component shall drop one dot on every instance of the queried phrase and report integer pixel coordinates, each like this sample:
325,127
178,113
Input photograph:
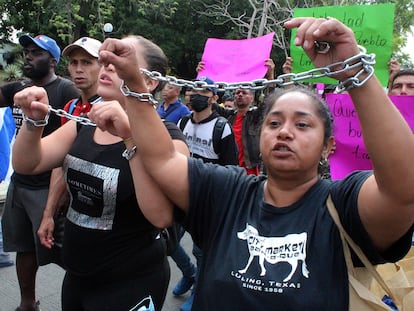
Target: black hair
403,72
321,108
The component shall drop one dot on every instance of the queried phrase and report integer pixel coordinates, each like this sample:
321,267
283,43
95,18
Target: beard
241,105
38,71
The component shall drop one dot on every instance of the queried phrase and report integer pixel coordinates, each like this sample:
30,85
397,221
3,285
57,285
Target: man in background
84,71
172,108
7,129
27,195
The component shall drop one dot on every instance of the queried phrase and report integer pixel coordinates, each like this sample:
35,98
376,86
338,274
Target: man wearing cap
210,138
246,120
26,196
84,70
172,108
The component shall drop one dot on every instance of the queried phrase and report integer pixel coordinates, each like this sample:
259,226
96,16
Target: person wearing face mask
211,139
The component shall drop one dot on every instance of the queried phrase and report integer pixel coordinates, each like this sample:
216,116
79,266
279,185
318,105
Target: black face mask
198,102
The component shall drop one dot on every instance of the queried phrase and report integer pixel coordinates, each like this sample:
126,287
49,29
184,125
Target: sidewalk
49,280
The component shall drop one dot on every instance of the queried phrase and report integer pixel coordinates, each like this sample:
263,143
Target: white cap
91,46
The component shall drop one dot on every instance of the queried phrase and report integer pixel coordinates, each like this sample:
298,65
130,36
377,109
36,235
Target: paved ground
49,280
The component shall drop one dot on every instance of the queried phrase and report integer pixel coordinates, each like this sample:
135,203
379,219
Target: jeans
198,254
181,258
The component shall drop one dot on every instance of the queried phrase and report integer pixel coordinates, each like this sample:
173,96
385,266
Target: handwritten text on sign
350,153
372,25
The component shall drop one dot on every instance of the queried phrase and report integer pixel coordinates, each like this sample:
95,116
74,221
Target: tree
257,17
180,27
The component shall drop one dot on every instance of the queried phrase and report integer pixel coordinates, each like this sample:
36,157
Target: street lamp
108,28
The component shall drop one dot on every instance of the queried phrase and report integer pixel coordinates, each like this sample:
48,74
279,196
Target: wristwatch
128,154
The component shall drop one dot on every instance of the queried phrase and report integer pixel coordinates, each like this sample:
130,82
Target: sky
409,48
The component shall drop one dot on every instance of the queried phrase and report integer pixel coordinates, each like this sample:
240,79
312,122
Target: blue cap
44,42
208,81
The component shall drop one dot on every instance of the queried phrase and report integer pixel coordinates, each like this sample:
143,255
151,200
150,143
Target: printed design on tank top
93,190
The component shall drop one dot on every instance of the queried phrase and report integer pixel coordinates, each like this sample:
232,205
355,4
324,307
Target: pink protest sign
350,153
236,60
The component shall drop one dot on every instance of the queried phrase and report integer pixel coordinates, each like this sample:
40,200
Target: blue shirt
174,112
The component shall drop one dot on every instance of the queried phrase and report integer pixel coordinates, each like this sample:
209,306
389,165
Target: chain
361,60
79,119
366,61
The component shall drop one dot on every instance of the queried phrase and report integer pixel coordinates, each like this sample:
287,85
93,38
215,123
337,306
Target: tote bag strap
346,238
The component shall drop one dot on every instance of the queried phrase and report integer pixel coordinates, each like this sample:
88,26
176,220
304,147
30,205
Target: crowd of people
240,174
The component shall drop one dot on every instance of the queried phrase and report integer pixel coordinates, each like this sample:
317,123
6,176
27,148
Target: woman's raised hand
110,116
341,39
123,56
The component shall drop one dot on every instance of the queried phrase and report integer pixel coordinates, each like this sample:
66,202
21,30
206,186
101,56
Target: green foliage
11,72
176,25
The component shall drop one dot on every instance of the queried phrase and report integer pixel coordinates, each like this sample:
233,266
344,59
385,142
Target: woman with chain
269,241
114,256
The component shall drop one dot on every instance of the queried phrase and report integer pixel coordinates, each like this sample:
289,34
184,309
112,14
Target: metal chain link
366,61
79,119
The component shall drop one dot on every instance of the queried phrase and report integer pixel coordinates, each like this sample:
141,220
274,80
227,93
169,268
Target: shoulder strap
184,121
218,132
348,242
73,105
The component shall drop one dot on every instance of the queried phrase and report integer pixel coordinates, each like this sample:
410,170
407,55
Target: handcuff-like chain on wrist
37,123
142,97
362,61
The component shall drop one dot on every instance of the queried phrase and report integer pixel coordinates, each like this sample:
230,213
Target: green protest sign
372,25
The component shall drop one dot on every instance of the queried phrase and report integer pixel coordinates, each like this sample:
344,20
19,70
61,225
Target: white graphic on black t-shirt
290,248
93,191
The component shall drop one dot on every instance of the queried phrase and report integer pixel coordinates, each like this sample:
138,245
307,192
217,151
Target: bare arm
155,206
393,68
57,193
153,202
162,161
386,200
31,153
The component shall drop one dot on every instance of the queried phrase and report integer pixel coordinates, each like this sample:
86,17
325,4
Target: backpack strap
183,121
218,132
73,105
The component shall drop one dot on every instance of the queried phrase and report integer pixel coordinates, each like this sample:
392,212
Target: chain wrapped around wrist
142,97
37,123
360,69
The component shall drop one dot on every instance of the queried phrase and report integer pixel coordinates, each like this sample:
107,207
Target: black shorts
23,212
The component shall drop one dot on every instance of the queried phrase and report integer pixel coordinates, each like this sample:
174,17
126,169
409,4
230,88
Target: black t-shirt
59,92
258,256
106,235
